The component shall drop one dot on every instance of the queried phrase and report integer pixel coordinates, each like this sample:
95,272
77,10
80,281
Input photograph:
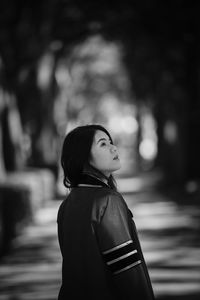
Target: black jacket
102,257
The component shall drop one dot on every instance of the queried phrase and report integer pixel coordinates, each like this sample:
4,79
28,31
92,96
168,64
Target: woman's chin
117,168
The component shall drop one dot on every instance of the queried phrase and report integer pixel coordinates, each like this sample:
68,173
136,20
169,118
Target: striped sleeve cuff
121,257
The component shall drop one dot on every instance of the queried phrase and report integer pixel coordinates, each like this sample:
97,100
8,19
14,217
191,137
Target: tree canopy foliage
160,42
28,28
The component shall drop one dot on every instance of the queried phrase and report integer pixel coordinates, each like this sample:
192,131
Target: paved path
32,270
169,235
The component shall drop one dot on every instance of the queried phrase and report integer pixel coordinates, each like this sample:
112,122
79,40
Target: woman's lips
116,157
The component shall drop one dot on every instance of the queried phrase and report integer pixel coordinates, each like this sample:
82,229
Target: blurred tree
24,39
161,53
161,41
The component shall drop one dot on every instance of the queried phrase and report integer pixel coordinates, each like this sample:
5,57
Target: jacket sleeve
121,252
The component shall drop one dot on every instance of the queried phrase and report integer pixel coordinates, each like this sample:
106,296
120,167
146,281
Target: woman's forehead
100,135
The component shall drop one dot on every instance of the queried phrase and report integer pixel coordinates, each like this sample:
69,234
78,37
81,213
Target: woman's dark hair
76,153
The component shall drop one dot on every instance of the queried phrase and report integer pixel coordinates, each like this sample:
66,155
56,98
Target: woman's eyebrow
101,139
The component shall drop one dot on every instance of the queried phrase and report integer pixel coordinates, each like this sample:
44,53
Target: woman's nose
113,148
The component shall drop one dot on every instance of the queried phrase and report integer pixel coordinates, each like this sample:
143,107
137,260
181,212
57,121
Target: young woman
102,257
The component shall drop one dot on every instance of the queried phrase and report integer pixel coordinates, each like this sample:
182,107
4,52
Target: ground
168,231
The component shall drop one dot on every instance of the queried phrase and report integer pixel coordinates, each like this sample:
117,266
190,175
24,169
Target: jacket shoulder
104,196
107,200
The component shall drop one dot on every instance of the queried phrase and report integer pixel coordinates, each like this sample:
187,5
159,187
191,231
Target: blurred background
132,66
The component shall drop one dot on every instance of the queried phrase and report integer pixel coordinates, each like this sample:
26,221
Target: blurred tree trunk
172,137
2,165
47,135
12,135
36,105
193,132
157,75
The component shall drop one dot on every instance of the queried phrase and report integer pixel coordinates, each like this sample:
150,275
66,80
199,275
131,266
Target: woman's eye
106,143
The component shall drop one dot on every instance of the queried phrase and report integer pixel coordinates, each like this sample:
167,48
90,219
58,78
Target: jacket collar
92,176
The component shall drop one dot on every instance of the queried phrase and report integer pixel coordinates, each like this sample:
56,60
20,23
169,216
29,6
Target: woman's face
104,156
